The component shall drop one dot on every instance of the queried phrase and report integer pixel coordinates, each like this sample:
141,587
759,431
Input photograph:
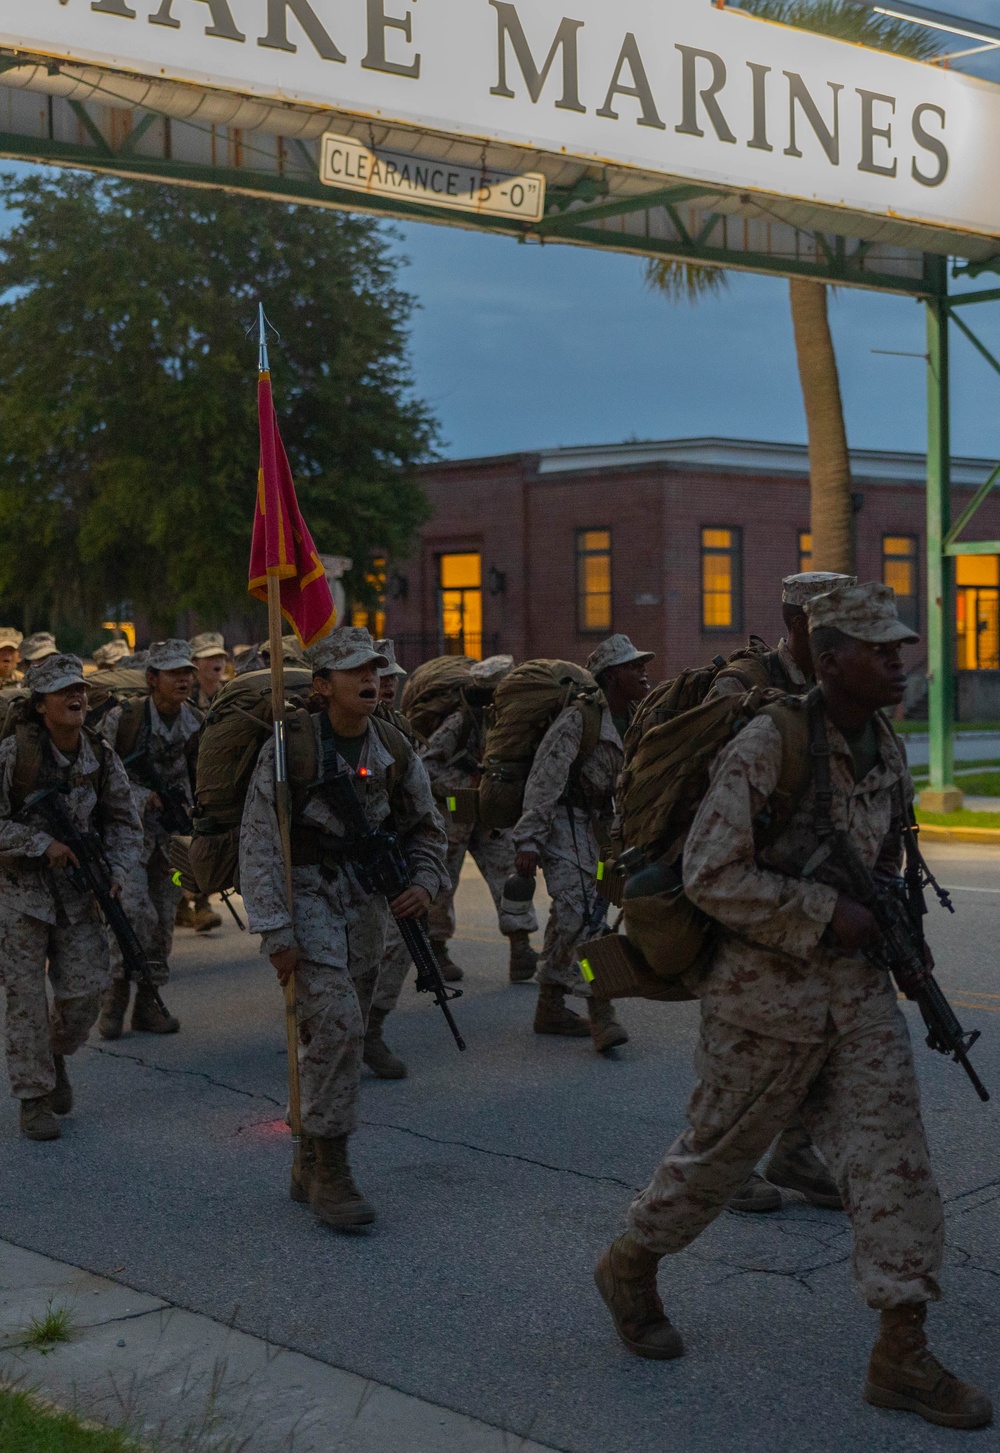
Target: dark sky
519,347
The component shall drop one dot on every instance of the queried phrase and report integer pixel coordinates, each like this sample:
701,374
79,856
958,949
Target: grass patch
28,1427
911,728
44,1333
979,784
959,819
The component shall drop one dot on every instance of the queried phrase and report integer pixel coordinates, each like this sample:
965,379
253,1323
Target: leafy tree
129,448
831,513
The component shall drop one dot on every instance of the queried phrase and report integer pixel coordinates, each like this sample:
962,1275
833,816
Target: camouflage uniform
565,837
151,897
340,931
787,1020
43,916
785,676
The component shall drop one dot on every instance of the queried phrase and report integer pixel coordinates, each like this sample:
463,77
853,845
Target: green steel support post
942,795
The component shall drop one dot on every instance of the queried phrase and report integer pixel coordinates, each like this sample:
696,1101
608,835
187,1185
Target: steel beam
942,795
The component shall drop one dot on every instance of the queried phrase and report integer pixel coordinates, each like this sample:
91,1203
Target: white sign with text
347,162
676,87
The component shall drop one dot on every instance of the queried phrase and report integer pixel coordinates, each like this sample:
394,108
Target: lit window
460,597
901,572
805,551
373,619
977,612
593,580
721,580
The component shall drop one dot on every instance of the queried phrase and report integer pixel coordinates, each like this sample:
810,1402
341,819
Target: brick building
680,544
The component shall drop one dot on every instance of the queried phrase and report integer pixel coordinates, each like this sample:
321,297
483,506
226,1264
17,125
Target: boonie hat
10,637
38,646
864,612
797,589
169,655
343,649
111,653
388,650
491,672
53,673
615,651
209,643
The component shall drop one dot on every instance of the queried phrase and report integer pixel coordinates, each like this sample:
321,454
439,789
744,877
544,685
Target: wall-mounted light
397,587
496,581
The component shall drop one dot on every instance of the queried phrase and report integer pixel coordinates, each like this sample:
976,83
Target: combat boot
204,916
302,1170
795,1166
523,958
904,1374
148,1017
379,1058
552,1016
114,1002
450,971
755,1194
605,1030
37,1119
333,1196
61,1098
626,1279
184,917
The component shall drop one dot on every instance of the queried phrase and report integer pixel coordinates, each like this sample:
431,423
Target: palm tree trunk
830,510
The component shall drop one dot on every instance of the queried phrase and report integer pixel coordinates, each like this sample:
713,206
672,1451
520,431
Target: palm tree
830,508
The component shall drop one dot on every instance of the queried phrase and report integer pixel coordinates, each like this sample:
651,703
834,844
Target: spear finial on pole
263,363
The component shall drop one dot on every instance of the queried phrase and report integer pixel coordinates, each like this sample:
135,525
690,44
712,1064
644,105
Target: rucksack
29,759
434,691
240,722
525,704
111,688
662,784
688,690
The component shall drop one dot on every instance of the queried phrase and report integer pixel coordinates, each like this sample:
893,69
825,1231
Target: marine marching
750,823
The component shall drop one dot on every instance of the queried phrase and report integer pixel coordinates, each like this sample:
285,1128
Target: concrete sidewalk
194,1383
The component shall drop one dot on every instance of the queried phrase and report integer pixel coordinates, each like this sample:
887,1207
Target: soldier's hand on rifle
116,891
853,926
285,962
526,864
154,803
59,855
411,902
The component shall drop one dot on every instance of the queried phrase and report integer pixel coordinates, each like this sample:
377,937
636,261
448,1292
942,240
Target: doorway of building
460,604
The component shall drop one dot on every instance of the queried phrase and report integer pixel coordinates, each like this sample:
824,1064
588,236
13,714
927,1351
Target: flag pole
274,631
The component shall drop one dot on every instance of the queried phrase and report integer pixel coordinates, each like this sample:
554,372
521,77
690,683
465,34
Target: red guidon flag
282,545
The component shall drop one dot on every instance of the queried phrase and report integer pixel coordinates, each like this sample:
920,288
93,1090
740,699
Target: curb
936,833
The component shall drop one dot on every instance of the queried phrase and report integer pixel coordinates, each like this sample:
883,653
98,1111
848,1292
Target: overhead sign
674,87
347,162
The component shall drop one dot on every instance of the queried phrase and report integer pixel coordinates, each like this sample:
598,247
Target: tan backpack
111,688
433,691
525,704
751,663
665,777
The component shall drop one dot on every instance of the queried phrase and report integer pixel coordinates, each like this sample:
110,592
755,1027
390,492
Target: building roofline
713,452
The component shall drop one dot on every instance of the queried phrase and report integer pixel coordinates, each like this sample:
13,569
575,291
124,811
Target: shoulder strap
395,742
135,721
27,763
592,713
819,754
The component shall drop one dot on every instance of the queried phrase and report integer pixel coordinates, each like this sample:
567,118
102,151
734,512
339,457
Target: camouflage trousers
861,1105
333,1006
78,970
569,862
150,898
492,851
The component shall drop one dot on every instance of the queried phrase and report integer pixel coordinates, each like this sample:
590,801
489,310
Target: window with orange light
460,604
373,618
593,581
805,551
721,579
977,612
900,570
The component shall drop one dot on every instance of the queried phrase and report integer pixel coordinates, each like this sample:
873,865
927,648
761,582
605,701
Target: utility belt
312,848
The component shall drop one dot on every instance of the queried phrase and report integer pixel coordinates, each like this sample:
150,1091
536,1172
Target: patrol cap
10,637
387,649
797,589
38,646
343,649
864,612
209,643
53,673
111,653
170,655
490,673
615,651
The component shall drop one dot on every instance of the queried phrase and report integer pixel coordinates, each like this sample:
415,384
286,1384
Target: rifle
175,815
94,876
380,867
898,906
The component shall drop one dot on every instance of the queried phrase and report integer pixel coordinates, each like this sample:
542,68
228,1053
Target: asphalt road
499,1176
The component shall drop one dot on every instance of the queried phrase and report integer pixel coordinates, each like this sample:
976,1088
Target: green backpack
525,704
433,691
